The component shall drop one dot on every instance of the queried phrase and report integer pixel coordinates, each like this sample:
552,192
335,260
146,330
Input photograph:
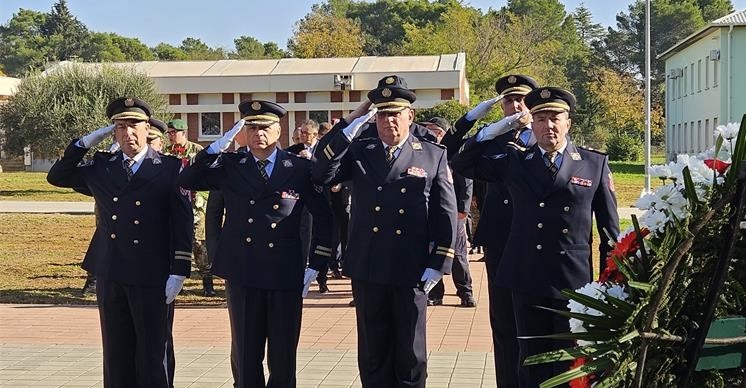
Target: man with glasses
180,146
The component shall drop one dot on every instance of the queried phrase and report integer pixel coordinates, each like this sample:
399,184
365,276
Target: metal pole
647,97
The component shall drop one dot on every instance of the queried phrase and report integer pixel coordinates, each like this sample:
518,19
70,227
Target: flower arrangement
633,325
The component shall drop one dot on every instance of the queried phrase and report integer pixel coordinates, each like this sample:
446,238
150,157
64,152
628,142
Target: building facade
7,88
705,84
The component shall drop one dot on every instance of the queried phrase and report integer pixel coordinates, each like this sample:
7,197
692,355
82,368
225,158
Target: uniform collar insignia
575,156
416,145
243,160
529,156
370,146
113,158
157,161
287,163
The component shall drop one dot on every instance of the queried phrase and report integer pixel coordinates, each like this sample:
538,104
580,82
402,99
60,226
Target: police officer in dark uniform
556,187
143,242
496,212
264,191
403,223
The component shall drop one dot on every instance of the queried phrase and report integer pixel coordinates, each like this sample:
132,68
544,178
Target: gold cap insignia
386,92
129,102
256,105
390,80
545,93
512,79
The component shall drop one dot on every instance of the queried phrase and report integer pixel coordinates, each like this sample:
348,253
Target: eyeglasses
170,132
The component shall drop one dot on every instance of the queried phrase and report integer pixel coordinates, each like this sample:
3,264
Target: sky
218,22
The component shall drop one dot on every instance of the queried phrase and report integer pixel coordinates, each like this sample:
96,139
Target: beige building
7,88
206,93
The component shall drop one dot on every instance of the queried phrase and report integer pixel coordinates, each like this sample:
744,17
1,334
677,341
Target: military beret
392,94
260,112
177,124
125,108
157,128
515,84
439,121
550,98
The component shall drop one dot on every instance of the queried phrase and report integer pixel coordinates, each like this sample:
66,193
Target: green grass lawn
33,186
629,179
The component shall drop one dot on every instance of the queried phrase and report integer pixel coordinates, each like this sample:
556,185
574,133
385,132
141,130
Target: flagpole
647,98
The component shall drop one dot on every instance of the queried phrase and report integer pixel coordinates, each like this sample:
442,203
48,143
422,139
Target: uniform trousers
260,317
391,335
460,269
136,327
533,321
502,322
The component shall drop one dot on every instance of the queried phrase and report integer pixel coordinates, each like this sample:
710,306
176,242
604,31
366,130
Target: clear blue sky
217,22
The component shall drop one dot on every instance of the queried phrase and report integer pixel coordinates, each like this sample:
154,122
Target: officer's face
242,137
393,127
132,135
176,137
550,129
308,135
513,103
436,131
262,137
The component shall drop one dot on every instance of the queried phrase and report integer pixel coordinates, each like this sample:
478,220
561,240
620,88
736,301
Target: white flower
654,220
660,171
728,131
646,201
617,291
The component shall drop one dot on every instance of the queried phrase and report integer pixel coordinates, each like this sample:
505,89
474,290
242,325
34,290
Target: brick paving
60,346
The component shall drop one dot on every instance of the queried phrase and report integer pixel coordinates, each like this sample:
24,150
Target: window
686,73
707,72
714,123
700,140
699,75
691,78
715,74
319,116
680,139
686,137
708,134
209,124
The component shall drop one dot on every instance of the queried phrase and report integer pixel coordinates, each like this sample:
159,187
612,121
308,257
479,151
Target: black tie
390,154
549,160
127,163
261,164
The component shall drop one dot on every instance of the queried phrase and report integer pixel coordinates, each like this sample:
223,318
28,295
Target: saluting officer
264,192
556,188
497,209
402,200
143,242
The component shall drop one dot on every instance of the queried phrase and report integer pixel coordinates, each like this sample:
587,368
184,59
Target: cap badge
256,105
390,80
545,93
512,79
129,102
386,92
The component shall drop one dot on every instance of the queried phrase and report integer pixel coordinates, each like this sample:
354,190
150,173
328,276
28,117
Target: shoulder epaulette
364,138
592,150
428,141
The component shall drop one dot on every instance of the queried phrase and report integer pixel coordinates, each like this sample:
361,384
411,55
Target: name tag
581,181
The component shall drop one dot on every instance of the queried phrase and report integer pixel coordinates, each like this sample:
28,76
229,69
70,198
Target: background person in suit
402,200
142,244
557,188
259,253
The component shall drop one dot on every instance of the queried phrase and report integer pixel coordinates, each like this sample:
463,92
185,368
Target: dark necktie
127,164
390,154
549,158
261,164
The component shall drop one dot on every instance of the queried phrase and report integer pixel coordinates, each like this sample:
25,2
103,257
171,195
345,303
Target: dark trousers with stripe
136,327
260,317
460,270
502,322
391,335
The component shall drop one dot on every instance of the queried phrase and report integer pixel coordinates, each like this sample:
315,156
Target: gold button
136,242
115,199
137,203
398,231
377,208
114,217
275,206
540,225
567,208
562,252
506,201
273,225
538,247
252,202
541,204
251,220
248,239
401,211
137,222
271,245
113,236
375,229
564,231
379,188
403,190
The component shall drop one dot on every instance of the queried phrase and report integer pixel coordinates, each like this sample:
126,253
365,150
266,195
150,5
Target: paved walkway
87,207
59,346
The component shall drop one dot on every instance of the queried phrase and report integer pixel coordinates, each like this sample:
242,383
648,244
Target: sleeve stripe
189,259
323,248
183,253
322,253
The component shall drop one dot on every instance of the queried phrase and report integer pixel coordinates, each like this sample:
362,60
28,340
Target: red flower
622,250
717,165
580,382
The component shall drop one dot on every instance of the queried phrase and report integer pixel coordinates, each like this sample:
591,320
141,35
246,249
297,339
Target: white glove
305,154
431,277
353,129
224,142
500,127
482,109
173,287
308,278
95,137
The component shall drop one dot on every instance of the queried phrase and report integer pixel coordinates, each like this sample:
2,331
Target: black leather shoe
434,302
468,301
207,286
352,303
336,274
323,288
